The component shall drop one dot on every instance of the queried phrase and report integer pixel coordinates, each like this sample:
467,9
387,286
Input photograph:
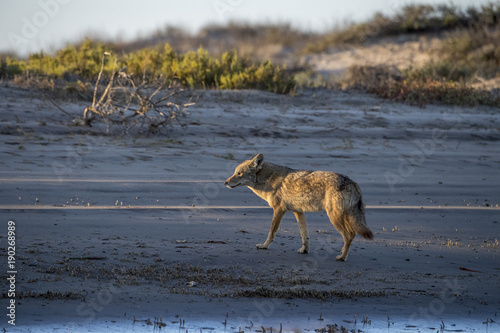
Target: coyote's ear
257,161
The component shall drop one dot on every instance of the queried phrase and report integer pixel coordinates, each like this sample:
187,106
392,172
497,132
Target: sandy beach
135,233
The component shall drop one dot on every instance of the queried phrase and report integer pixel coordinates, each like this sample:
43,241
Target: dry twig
123,102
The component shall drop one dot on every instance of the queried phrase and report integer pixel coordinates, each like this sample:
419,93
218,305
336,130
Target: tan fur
298,191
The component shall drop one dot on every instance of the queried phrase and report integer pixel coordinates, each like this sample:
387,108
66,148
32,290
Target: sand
112,228
397,52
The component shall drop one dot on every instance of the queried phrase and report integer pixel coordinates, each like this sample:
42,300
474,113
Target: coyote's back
286,189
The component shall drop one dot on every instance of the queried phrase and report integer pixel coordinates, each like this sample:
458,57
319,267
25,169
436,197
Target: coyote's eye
240,174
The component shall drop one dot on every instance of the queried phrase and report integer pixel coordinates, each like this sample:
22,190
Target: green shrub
85,62
9,67
192,69
200,70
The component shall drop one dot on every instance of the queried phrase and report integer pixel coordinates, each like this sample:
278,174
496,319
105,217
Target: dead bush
150,107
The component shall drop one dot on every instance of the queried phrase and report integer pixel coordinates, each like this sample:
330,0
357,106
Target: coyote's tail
358,221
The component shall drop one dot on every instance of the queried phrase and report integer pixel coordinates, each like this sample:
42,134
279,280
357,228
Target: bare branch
123,102
99,76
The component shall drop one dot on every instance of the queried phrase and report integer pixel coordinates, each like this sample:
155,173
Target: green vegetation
465,55
413,88
468,52
410,19
421,92
200,70
192,69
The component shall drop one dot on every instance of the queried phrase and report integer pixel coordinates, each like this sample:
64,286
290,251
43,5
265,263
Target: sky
28,26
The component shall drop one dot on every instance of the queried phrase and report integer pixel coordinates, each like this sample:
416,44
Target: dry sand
110,227
397,52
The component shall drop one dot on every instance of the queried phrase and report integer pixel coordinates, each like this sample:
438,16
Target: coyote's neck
269,179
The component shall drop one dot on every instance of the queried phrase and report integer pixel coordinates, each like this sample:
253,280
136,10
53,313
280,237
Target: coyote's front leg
277,216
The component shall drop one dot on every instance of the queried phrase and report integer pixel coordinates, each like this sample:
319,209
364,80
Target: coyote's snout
286,189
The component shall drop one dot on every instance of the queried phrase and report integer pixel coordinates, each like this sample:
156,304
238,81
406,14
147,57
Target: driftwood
128,104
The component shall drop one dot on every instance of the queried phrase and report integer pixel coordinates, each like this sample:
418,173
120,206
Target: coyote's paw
340,258
262,246
303,250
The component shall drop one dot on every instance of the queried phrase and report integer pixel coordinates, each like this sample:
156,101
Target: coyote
299,191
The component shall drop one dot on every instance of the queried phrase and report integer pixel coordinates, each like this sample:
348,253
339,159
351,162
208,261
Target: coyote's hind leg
301,220
341,223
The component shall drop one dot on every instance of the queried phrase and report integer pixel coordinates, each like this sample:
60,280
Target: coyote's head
246,173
